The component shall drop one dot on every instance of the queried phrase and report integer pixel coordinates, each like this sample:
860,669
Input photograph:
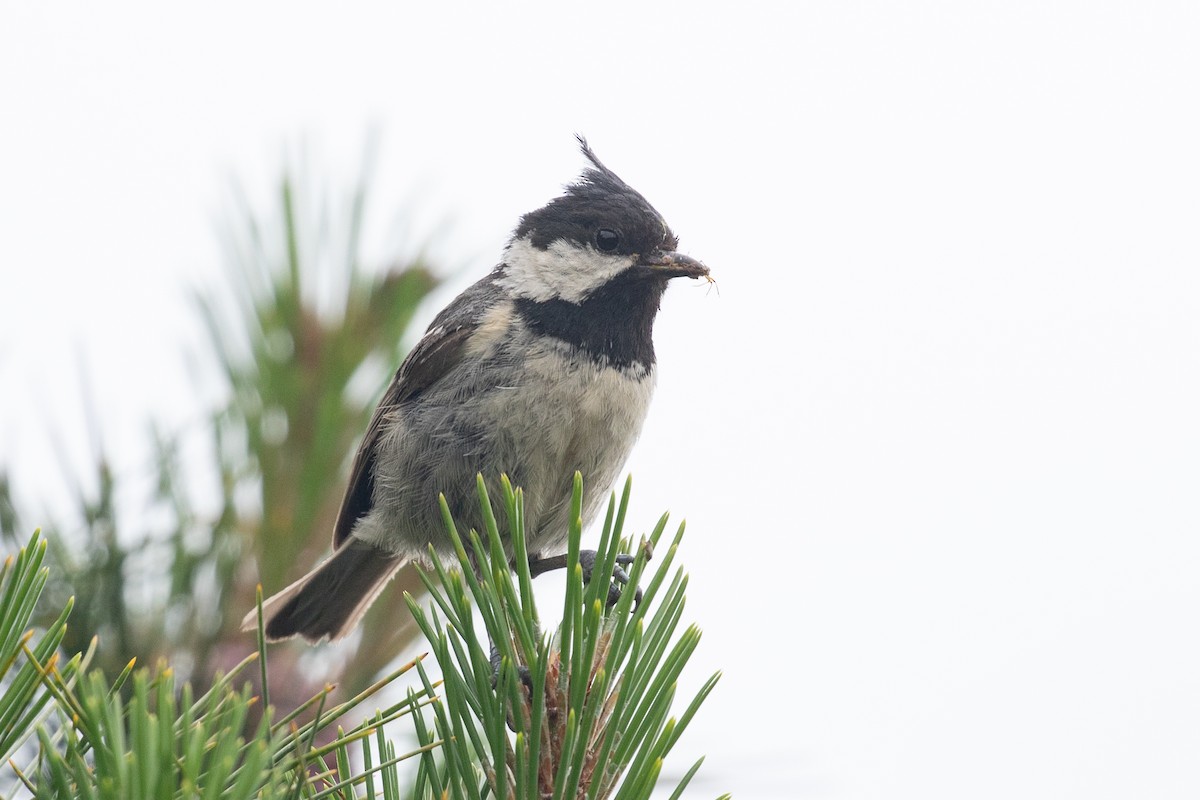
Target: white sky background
937,438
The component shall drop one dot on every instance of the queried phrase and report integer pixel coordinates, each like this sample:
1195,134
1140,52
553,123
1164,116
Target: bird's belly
566,414
575,415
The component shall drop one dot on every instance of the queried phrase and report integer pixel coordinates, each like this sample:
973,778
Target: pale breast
578,415
530,407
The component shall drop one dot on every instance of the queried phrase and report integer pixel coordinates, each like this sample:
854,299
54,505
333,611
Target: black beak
673,265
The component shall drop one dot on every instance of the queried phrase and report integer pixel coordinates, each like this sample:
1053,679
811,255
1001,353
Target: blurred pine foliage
305,335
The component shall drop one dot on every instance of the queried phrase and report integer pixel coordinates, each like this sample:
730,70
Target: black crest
599,199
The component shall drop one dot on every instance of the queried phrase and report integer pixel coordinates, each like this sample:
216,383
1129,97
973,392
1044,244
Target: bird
543,368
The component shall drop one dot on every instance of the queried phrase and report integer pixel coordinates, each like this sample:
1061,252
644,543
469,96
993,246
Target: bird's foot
523,675
620,578
522,671
587,560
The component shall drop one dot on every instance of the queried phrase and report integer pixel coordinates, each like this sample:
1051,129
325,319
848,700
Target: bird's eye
607,239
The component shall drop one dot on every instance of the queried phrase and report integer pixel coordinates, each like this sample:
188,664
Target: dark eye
607,239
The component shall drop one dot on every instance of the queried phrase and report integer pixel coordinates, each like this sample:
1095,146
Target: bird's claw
620,578
523,675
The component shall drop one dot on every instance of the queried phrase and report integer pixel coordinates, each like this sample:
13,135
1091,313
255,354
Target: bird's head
600,231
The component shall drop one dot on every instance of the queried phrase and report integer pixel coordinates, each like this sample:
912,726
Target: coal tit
542,368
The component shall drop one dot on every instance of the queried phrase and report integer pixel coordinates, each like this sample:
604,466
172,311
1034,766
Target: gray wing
437,354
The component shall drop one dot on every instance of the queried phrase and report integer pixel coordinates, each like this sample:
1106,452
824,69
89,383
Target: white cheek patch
564,270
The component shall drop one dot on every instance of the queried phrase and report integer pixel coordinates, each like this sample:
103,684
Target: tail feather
330,600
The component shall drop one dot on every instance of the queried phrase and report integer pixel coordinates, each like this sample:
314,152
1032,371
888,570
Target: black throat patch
614,325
